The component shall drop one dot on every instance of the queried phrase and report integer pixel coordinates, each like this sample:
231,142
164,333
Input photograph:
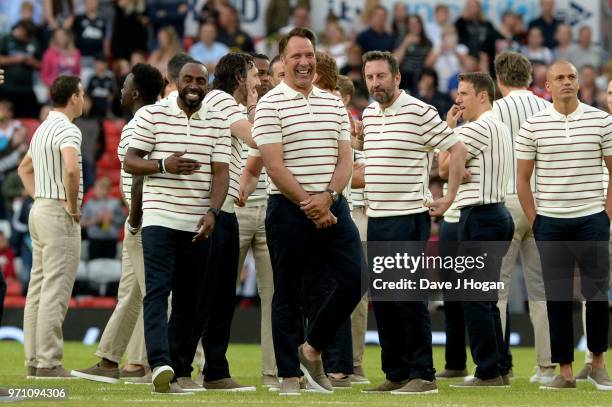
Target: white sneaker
161,378
543,375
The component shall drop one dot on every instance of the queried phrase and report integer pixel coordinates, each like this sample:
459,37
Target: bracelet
251,108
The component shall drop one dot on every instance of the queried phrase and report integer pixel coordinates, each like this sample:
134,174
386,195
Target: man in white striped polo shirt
141,87
565,143
51,173
187,177
303,136
234,83
513,72
483,216
400,134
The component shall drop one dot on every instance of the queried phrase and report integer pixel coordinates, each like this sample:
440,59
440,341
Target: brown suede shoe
476,382
227,384
451,374
600,379
386,387
97,373
560,383
56,373
417,386
314,373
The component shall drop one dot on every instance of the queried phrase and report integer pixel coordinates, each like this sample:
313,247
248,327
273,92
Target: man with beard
187,177
568,143
235,82
140,88
304,139
399,137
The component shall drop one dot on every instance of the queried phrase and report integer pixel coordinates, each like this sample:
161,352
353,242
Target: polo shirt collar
575,115
294,94
485,115
61,115
395,107
520,92
177,111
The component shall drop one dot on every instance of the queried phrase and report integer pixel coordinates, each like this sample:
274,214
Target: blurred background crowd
100,40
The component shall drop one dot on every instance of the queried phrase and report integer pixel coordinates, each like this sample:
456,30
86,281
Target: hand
74,214
175,164
206,225
131,228
326,220
467,175
357,130
439,206
453,116
358,166
316,205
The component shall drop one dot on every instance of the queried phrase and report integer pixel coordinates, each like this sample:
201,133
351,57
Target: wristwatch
215,211
334,194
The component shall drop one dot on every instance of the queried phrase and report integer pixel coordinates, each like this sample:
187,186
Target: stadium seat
109,161
112,134
104,271
82,271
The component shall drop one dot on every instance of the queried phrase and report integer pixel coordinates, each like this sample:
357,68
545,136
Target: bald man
569,140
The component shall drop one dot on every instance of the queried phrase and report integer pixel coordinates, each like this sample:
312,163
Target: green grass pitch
245,362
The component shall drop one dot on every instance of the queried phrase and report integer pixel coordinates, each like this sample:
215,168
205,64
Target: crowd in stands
101,40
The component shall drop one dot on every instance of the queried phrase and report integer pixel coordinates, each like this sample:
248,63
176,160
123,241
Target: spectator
435,28
469,63
588,89
398,20
7,258
535,49
59,14
101,89
15,10
563,36
477,33
168,13
538,86
446,59
376,36
511,33
411,52
130,28
300,18
13,145
168,46
90,37
547,23
192,19
138,57
584,53
427,91
20,57
278,13
352,70
334,41
207,50
230,32
102,220
61,58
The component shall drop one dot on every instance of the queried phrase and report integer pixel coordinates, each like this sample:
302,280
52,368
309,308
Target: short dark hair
272,62
431,72
256,55
230,69
297,32
380,56
176,64
513,69
63,88
148,81
481,81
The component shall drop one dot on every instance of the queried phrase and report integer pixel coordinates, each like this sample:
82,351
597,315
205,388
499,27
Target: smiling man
567,144
303,135
187,177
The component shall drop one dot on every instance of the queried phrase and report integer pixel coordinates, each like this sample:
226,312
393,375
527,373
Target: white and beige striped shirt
171,200
126,178
568,153
399,145
358,194
489,160
513,110
309,130
50,138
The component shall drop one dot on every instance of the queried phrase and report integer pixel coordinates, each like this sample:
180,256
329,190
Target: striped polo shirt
513,110
357,194
259,195
179,201
226,103
568,153
399,145
126,178
50,138
309,129
489,160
